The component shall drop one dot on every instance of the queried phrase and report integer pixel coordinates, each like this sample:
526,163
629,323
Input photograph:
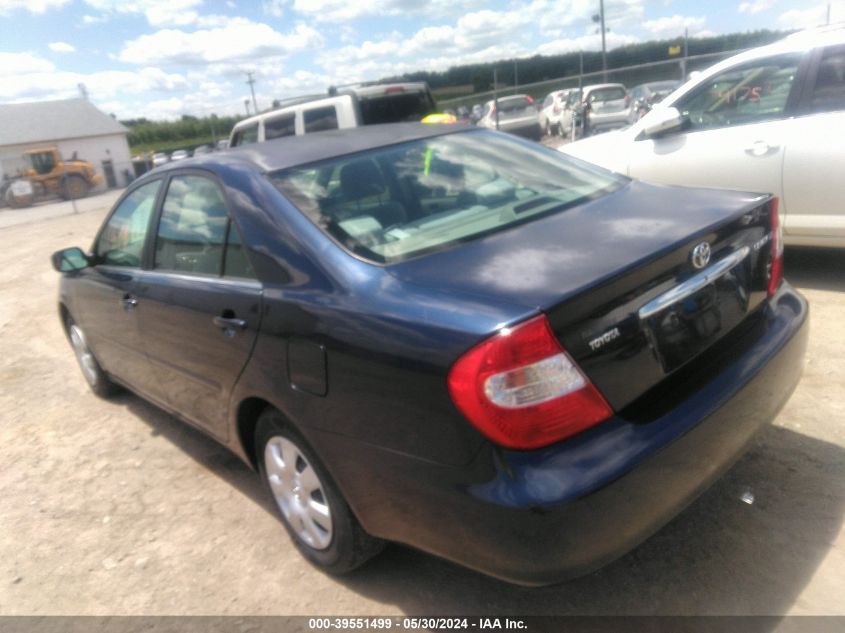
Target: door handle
761,148
129,302
228,323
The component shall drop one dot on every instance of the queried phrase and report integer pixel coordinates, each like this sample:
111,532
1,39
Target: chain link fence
630,76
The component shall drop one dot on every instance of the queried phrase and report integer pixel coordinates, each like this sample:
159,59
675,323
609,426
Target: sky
161,59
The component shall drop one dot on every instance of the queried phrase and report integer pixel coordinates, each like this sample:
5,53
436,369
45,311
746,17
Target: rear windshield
396,107
515,104
401,201
607,94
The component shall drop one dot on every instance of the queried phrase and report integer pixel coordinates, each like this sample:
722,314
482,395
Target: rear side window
318,119
829,91
245,135
280,126
121,242
195,234
192,229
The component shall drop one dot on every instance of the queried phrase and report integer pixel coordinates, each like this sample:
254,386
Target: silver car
605,107
516,114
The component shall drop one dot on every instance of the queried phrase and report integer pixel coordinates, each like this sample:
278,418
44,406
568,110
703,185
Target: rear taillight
522,390
394,90
776,268
529,99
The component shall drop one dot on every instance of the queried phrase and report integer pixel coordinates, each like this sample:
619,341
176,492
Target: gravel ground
114,507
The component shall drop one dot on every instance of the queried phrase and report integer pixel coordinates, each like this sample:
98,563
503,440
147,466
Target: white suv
768,120
353,107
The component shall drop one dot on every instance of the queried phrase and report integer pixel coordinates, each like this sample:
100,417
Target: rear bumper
543,516
608,121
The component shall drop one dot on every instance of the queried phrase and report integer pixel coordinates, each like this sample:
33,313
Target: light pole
599,17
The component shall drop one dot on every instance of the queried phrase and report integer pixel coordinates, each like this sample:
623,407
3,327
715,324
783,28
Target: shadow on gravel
200,447
720,556
816,268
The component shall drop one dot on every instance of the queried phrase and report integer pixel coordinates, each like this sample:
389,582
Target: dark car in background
445,336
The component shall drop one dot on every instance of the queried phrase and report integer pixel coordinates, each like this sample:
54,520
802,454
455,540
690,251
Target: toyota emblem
701,255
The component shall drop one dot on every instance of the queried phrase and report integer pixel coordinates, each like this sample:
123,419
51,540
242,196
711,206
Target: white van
353,107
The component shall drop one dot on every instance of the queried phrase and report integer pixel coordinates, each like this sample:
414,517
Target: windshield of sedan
400,201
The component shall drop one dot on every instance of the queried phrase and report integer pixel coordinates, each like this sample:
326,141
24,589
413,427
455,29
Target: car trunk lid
616,279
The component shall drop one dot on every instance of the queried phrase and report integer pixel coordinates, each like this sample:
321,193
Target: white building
72,125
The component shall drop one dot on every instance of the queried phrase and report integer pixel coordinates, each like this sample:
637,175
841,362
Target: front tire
74,187
317,518
97,379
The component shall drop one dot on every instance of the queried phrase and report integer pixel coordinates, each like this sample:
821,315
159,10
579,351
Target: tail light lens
776,271
529,99
522,390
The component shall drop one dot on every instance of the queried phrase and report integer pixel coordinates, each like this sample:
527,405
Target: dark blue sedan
445,337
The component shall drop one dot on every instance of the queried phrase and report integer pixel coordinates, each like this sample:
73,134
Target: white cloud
755,7
814,16
238,41
61,47
21,64
674,25
94,19
346,10
273,8
159,13
33,6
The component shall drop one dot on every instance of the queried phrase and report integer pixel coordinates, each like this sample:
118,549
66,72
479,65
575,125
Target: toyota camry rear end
485,349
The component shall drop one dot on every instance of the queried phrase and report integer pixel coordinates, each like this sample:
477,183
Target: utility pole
251,83
603,46
515,75
246,105
686,55
496,95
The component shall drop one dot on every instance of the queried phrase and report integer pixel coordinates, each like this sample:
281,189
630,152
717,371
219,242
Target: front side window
400,201
192,229
121,242
829,91
749,94
318,119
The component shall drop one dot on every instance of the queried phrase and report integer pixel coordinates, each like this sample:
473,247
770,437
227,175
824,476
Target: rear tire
97,379
313,511
74,187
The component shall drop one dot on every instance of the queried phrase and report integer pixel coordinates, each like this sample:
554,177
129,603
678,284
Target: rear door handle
227,323
761,148
129,302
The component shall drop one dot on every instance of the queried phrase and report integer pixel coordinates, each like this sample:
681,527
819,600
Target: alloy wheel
298,491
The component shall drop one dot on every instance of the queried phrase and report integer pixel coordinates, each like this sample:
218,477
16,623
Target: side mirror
662,120
69,260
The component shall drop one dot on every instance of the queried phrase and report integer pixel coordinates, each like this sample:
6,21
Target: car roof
293,151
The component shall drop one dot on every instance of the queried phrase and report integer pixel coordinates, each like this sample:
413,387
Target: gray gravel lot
117,508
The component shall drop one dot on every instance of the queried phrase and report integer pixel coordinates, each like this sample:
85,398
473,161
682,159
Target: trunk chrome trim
694,284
